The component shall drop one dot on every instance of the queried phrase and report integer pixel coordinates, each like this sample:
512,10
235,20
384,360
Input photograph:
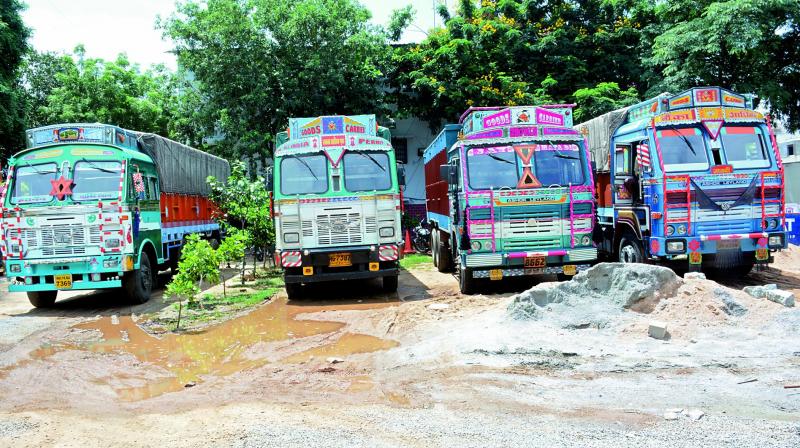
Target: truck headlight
774,223
670,230
476,245
386,232
15,268
681,229
676,247
775,241
585,240
112,242
291,237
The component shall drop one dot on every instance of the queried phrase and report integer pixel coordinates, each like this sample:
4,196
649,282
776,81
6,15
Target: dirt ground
352,366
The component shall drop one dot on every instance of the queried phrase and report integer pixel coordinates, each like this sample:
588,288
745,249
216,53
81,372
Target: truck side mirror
269,181
401,175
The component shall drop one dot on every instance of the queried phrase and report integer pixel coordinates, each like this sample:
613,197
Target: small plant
199,263
232,249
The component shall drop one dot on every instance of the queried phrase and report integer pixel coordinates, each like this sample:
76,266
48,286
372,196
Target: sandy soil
351,366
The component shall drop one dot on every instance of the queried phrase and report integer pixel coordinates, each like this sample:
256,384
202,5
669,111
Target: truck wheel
465,281
445,262
630,250
138,284
42,299
390,283
294,291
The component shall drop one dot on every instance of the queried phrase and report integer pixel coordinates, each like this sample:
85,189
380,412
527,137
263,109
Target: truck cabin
700,164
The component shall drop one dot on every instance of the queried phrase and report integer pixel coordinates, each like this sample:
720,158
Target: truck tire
445,261
42,299
630,250
435,247
390,283
465,281
294,291
139,284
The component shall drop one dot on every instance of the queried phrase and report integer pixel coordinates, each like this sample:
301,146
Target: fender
144,243
628,219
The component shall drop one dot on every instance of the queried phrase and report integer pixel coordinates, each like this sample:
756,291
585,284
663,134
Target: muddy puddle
185,359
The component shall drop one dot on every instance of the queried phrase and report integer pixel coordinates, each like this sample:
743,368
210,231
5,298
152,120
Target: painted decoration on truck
300,128
732,99
333,140
493,133
544,116
682,101
703,97
523,131
742,115
676,117
62,187
502,118
527,179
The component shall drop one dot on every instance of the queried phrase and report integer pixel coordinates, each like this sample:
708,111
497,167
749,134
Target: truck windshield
499,167
744,147
95,180
32,183
366,171
683,149
304,174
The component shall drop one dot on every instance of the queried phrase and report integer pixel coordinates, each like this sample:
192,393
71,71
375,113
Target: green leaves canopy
13,45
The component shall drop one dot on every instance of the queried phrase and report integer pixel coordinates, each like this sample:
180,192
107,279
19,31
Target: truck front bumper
516,264
98,272
315,265
712,243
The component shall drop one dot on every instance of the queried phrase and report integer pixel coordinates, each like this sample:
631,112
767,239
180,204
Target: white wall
419,136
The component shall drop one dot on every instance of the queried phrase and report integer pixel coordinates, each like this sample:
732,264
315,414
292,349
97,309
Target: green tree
259,62
750,46
245,205
13,45
115,92
602,98
41,74
199,263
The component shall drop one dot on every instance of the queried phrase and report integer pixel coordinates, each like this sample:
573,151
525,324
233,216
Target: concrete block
760,291
785,298
694,276
658,330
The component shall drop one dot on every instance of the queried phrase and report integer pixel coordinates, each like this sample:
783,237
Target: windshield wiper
500,159
559,155
300,159
105,170
683,137
37,170
367,155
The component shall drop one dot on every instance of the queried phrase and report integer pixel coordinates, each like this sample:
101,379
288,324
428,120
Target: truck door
623,172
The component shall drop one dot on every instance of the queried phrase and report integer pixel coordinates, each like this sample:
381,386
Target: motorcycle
421,237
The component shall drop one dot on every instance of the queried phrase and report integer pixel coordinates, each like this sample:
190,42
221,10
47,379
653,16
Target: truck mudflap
497,274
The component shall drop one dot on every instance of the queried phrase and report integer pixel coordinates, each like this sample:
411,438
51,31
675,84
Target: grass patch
415,260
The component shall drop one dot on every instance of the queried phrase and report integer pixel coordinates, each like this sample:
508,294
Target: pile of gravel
595,297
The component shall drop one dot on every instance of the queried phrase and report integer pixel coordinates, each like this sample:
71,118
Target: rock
695,414
114,319
658,330
335,360
731,306
694,276
326,370
190,384
438,306
760,291
785,298
671,415
676,410
595,296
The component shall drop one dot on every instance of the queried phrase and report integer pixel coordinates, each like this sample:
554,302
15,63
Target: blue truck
693,180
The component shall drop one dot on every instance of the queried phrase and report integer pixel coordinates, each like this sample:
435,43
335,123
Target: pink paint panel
527,131
502,118
544,116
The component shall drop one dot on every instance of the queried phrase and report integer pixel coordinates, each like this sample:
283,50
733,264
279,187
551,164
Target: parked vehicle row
692,180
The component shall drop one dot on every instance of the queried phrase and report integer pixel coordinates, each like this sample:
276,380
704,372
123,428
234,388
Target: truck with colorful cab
509,193
336,202
692,180
94,206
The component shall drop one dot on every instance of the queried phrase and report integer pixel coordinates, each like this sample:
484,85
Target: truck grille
340,228
60,239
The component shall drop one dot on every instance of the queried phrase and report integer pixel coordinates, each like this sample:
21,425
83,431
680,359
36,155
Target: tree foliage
13,45
259,62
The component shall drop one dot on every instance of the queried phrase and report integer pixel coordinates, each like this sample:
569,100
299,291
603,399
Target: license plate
537,261
570,269
695,258
762,254
495,274
339,260
63,281
727,244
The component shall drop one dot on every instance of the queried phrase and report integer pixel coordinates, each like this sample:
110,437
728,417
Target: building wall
417,135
